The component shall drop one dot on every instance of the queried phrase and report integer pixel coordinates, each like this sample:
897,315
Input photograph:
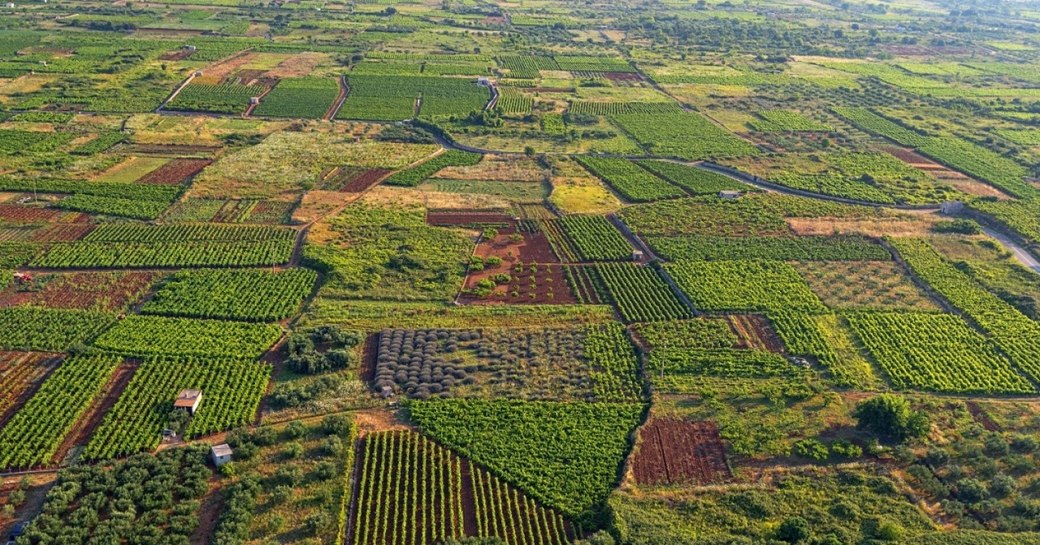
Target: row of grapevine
744,286
138,335
187,232
231,396
632,182
802,248
33,435
1015,333
415,492
559,241
229,98
416,175
639,293
939,352
236,294
308,98
166,254
616,108
595,238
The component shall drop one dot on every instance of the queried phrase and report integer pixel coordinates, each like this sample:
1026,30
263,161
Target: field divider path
344,91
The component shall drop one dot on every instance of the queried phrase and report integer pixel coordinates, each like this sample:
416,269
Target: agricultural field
519,273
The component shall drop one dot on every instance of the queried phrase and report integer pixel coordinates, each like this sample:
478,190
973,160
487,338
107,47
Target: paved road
1021,254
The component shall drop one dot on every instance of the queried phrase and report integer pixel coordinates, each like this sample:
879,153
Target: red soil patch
92,417
448,219
178,55
365,180
753,331
673,451
212,505
535,275
623,76
61,232
367,370
21,373
106,291
175,172
15,213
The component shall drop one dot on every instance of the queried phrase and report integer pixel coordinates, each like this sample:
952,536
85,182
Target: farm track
338,103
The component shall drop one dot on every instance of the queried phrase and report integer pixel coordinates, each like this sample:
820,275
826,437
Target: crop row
595,238
252,295
981,163
808,248
228,98
231,395
33,435
639,293
515,439
695,181
114,206
935,352
630,180
186,337
100,143
718,363
744,286
307,98
166,254
1015,333
49,330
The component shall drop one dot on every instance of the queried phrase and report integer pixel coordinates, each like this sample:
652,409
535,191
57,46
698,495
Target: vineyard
632,182
417,174
232,391
412,490
308,98
706,248
687,136
595,238
744,286
252,295
695,181
565,456
51,330
32,436
186,337
935,352
226,98
639,293
1014,333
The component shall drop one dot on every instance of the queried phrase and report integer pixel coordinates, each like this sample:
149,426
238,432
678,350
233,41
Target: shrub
793,530
890,416
811,449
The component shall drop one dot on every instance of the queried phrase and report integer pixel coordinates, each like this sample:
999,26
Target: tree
793,530
890,416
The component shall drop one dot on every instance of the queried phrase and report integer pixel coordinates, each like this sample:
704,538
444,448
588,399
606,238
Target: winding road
1007,240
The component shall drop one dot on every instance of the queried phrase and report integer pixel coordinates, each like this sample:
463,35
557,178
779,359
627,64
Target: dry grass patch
496,168
894,227
870,284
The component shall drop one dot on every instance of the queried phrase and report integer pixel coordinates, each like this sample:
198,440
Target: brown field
15,213
753,331
916,227
108,291
497,168
175,172
536,276
467,217
296,66
673,451
61,232
221,70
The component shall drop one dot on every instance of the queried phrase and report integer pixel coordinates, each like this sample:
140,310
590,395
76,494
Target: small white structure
254,100
220,454
730,195
188,400
10,5
951,208
484,81
637,255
